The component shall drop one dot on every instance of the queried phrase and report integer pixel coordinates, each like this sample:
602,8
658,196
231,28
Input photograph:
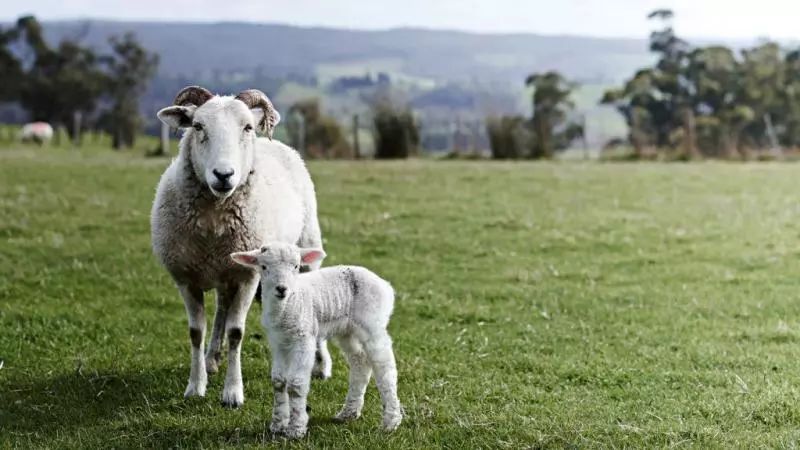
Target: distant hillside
196,48
446,76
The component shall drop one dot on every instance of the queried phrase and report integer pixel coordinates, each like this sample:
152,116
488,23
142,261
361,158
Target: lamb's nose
222,176
281,290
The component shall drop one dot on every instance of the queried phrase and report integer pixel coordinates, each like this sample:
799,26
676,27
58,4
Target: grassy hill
539,305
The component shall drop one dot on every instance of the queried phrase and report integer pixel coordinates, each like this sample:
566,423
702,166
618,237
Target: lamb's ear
177,116
311,255
249,259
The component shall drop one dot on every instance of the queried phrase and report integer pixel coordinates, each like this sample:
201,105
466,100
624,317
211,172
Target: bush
396,133
509,137
323,136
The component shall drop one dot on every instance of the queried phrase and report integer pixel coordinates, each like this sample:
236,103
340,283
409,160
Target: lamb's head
279,265
221,133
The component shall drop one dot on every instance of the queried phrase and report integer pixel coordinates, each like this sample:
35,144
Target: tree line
73,86
710,101
694,102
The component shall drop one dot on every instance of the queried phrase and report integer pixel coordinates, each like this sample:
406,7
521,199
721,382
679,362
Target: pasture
539,305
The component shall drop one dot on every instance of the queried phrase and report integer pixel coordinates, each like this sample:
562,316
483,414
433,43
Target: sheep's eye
263,267
198,126
248,127
296,267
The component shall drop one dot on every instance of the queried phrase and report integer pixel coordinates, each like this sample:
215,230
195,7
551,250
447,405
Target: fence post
356,143
164,138
76,128
301,131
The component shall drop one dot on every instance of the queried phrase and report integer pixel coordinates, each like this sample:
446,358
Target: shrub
396,133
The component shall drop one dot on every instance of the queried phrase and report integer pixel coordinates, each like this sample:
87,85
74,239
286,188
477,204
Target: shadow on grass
128,409
80,399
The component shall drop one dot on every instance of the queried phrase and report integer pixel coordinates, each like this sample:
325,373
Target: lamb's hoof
195,390
233,397
346,415
278,427
293,432
390,423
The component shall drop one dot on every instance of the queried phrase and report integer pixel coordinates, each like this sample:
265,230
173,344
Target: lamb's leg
280,403
300,361
323,366
360,372
380,354
237,298
195,310
214,352
312,237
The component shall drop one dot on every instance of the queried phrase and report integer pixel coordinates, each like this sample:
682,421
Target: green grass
540,305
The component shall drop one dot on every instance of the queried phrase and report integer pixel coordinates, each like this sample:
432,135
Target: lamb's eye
248,127
263,267
198,126
296,267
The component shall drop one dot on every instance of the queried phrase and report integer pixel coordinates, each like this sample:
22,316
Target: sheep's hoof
232,397
212,363
195,390
211,366
320,373
232,404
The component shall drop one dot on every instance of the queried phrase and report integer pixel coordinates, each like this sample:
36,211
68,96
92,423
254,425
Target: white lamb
227,191
350,304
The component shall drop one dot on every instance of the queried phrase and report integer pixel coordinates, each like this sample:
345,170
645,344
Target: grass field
540,305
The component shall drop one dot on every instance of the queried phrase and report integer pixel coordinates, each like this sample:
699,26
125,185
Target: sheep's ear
177,116
311,255
266,125
249,259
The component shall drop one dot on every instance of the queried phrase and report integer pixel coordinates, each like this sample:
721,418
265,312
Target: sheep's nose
281,290
223,176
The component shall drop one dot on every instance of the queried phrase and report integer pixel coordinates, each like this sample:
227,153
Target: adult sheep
227,191
38,132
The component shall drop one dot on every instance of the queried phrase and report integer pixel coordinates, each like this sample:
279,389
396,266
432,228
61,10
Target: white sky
730,19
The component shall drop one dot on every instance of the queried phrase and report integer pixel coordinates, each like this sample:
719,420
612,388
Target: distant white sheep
347,303
38,132
227,191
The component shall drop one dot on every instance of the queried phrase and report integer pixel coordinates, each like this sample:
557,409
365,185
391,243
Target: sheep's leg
323,365
381,357
360,372
214,352
195,310
280,403
300,361
238,298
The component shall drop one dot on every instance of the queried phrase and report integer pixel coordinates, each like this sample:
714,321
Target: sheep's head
279,265
221,131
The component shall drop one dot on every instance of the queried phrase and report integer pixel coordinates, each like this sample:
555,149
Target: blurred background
578,79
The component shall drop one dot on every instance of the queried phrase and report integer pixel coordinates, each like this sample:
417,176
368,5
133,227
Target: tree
60,82
10,67
551,108
130,67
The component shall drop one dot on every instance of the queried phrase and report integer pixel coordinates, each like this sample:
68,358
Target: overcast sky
611,18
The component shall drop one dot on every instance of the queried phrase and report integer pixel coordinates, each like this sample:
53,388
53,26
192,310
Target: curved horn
254,98
192,95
